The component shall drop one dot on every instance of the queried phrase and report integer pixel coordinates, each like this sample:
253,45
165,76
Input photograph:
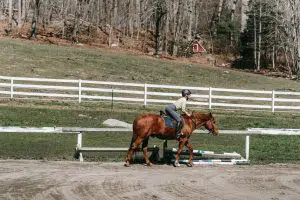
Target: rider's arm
183,107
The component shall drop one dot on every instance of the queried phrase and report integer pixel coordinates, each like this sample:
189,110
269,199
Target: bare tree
244,10
191,10
24,9
160,12
177,26
233,9
258,67
19,13
35,17
10,14
254,36
130,18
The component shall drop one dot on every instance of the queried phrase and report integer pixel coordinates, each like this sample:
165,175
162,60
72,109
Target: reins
195,123
198,125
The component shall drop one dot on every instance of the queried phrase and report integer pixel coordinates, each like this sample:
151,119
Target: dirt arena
40,180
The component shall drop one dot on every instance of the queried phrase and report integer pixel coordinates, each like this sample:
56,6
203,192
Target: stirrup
179,135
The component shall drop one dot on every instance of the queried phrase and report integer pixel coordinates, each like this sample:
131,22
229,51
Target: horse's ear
210,114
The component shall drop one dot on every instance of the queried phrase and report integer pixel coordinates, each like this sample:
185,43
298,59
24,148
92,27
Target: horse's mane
201,115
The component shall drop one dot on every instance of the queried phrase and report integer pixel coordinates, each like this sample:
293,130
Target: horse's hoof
127,164
189,164
149,164
176,164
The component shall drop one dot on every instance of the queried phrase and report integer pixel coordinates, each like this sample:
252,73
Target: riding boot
178,130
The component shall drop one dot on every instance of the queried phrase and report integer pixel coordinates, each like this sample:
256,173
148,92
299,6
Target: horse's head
206,120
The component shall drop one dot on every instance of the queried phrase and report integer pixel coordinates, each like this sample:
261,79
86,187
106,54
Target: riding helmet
185,92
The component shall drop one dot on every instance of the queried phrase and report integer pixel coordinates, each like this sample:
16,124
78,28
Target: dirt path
40,180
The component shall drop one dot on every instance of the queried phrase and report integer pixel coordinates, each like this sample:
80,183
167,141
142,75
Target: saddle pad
169,122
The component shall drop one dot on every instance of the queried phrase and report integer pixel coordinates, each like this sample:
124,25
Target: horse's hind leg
133,146
145,151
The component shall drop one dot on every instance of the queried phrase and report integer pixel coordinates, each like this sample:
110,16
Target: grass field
50,61
264,149
39,60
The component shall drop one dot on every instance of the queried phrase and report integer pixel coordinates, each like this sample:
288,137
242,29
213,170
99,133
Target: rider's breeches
171,111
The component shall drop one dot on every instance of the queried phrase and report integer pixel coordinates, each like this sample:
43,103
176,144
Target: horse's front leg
191,149
179,150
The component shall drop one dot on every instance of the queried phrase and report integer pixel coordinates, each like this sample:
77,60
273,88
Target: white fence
85,90
79,131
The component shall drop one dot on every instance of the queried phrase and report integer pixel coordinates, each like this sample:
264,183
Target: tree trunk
254,35
167,28
65,8
191,8
35,18
259,38
219,12
76,22
160,12
232,20
2,7
99,5
10,13
220,7
287,61
24,11
244,10
177,28
19,13
138,18
130,18
115,12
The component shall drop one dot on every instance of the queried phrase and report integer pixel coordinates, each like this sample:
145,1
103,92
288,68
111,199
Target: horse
153,125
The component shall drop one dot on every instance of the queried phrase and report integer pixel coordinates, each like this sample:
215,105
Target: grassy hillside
25,58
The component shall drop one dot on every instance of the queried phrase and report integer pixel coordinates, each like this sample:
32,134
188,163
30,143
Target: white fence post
247,146
79,90
145,94
79,145
210,97
12,88
273,101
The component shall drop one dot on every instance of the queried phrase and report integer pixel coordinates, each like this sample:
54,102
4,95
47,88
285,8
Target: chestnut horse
153,125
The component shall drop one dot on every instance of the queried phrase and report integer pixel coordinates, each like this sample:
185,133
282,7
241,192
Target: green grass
25,58
39,60
264,149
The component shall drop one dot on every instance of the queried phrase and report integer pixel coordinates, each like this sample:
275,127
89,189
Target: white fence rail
79,131
85,90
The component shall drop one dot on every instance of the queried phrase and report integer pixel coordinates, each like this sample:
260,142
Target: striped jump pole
210,154
215,162
210,157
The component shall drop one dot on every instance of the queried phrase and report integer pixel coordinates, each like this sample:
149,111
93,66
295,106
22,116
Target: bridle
199,125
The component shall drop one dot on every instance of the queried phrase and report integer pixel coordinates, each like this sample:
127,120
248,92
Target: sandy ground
46,180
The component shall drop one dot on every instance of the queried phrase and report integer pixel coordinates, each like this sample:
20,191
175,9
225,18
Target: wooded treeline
261,33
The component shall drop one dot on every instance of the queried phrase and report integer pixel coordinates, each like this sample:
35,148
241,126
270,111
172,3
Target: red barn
198,48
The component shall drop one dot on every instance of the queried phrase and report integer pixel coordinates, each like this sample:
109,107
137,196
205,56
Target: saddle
169,122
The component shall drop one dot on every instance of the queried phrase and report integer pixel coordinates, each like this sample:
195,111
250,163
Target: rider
180,104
